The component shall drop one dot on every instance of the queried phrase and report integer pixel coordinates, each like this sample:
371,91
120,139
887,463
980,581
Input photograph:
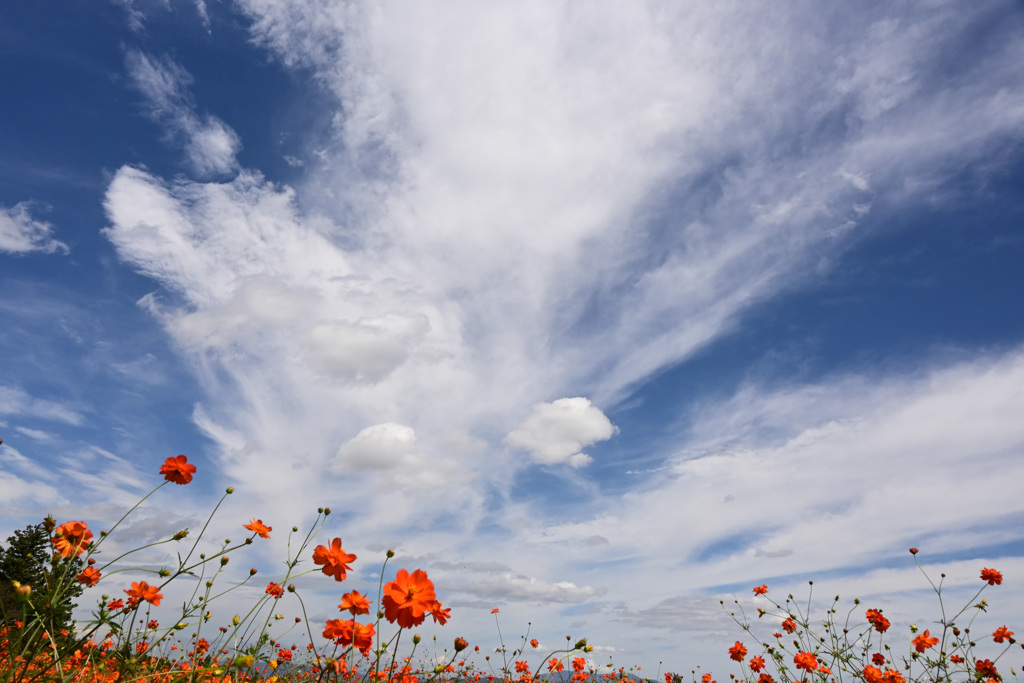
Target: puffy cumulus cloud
210,144
557,432
20,233
379,447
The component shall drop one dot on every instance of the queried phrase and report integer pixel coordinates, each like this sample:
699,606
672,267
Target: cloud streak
210,145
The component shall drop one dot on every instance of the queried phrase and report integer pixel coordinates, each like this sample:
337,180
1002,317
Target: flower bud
580,644
178,535
244,662
390,553
416,639
209,584
461,644
165,572
181,626
223,560
229,490
327,511
235,620
22,591
252,572
298,620
291,587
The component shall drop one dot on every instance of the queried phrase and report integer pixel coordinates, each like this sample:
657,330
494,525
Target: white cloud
210,144
381,447
15,401
526,201
557,432
20,233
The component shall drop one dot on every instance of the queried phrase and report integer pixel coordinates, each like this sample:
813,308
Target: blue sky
597,314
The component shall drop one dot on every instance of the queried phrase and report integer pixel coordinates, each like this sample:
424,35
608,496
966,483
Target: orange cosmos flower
259,528
737,652
177,469
1001,634
349,632
893,676
765,678
993,577
806,661
788,625
986,667
872,675
408,598
876,619
71,538
275,590
534,643
90,576
923,642
355,602
760,590
334,559
441,614
141,590
555,664
756,663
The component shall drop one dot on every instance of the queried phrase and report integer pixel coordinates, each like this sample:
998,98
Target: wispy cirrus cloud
210,145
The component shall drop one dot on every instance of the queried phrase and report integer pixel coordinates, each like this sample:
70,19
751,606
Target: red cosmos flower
90,576
495,610
579,664
522,667
153,623
806,661
441,614
993,577
760,590
177,469
986,667
284,655
534,643
923,642
141,590
554,664
115,604
876,619
355,602
274,590
706,678
408,598
737,652
1001,634
334,559
360,636
956,659
259,528
756,663
872,675
878,659
71,538
788,625
765,678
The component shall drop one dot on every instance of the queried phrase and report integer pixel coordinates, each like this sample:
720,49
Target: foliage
29,560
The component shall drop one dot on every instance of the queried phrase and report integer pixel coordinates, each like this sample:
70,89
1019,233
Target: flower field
132,636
